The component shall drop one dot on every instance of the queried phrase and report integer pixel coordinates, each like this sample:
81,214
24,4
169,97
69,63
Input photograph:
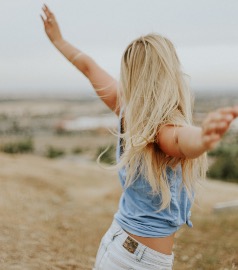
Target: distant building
87,123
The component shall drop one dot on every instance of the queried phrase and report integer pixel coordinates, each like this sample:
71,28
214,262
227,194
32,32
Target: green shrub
224,150
109,156
23,146
53,152
77,150
225,166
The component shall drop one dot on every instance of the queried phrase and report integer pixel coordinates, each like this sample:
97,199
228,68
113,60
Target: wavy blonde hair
153,93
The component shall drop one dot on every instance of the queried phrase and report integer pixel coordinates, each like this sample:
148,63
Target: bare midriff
163,245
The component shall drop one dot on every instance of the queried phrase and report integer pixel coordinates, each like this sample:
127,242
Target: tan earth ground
53,214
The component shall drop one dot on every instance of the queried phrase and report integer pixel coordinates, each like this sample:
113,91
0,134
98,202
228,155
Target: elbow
85,70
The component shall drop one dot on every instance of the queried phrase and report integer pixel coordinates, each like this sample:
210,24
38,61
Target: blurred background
55,201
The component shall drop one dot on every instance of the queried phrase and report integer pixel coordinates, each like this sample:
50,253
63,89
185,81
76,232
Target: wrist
201,142
59,43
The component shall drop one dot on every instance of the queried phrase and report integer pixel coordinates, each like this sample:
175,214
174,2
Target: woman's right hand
216,125
51,26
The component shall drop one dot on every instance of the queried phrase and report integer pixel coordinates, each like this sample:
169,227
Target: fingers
211,141
216,124
216,128
47,11
219,121
48,14
229,110
47,8
45,22
42,18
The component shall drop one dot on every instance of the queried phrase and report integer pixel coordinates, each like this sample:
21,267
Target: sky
204,33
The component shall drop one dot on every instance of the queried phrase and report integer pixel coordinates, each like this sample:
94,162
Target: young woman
160,154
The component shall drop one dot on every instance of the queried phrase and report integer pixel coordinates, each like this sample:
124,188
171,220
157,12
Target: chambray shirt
138,208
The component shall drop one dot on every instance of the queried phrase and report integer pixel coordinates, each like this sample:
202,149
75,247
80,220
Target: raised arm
104,84
190,141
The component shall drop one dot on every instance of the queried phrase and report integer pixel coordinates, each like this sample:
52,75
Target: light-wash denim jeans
117,252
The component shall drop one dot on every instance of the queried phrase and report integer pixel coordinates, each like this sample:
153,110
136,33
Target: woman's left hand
216,124
51,26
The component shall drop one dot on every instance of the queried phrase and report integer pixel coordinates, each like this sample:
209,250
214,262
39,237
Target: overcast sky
204,33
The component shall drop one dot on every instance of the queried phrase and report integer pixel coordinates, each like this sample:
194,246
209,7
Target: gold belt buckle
130,244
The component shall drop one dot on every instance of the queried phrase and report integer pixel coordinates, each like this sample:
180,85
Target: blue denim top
138,208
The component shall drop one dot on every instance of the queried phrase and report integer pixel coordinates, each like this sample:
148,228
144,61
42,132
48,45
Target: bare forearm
193,141
190,141
73,55
103,83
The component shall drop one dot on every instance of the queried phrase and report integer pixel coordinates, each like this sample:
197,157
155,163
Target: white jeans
119,251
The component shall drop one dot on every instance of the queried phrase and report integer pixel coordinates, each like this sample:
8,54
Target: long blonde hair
153,93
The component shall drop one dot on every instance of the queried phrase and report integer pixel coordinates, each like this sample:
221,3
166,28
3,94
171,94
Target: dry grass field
54,212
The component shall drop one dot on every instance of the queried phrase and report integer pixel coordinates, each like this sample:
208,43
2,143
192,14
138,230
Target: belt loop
140,253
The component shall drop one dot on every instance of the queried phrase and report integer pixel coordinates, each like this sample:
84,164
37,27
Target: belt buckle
130,244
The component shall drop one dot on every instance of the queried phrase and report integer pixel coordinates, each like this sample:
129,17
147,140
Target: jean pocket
157,260
102,250
156,265
107,239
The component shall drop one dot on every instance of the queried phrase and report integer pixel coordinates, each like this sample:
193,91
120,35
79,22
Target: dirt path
211,192
53,213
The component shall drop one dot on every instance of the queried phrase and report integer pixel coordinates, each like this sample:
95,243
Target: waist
163,245
128,242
